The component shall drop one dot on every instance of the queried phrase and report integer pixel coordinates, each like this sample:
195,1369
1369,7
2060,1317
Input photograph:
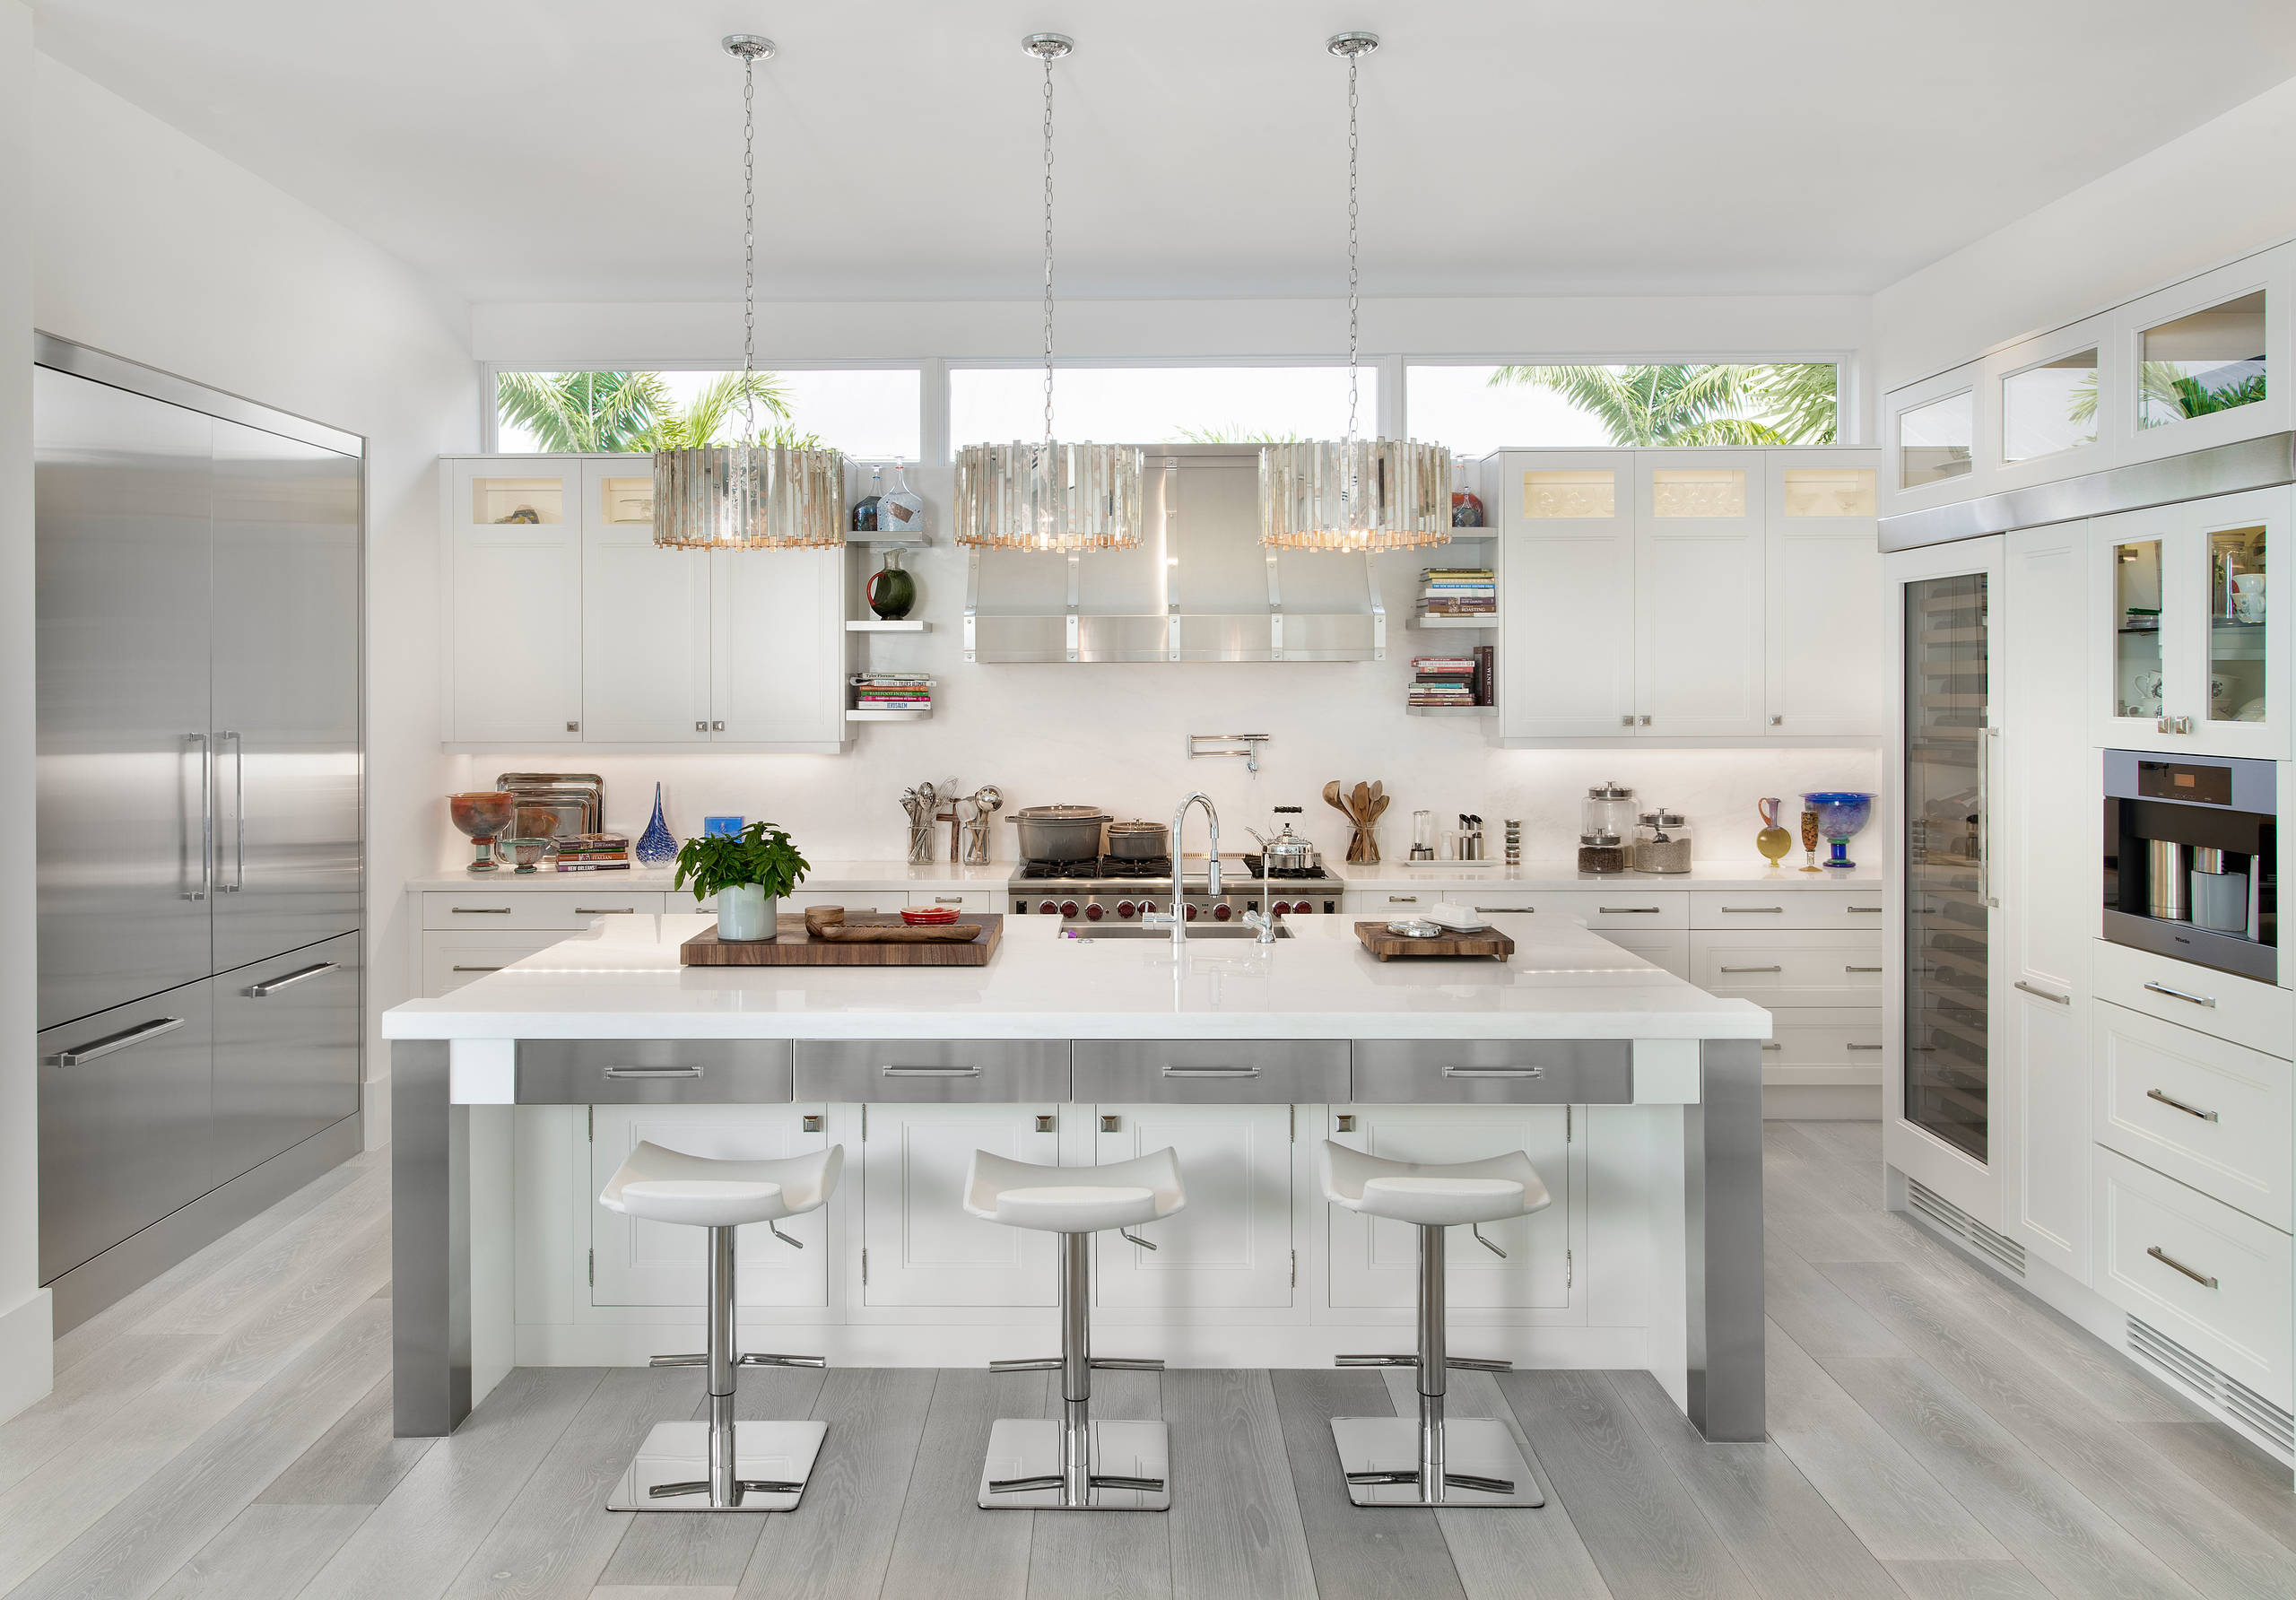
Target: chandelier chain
749,245
1352,276
1047,252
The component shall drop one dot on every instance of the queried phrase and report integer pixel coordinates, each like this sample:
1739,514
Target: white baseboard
1821,1102
27,1352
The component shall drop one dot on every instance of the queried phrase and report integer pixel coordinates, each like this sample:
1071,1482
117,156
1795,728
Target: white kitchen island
1637,1095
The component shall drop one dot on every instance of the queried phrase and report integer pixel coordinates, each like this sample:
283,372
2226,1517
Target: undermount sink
1215,930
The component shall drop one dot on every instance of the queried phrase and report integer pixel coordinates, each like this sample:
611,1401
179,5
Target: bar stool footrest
1121,1363
1131,1463
771,1464
1375,1360
767,1359
1482,1466
1470,1363
1035,1363
679,1361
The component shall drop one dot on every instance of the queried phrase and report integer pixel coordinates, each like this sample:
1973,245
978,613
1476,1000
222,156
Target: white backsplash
1116,736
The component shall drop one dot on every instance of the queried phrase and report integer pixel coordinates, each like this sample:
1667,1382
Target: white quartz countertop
825,875
1726,876
621,979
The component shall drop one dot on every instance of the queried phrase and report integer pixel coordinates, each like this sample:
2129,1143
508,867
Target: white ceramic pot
746,911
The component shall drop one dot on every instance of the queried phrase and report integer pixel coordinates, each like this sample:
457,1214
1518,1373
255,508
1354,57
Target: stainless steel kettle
1287,851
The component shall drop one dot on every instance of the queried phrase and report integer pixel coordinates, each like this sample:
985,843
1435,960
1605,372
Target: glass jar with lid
1661,842
1601,853
1608,808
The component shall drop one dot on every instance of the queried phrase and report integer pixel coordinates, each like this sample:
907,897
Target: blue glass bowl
1841,813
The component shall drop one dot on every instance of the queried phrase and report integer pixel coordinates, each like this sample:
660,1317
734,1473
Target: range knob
1147,907
1124,907
1223,911
1280,909
1068,907
1092,913
1302,908
1191,913
1050,909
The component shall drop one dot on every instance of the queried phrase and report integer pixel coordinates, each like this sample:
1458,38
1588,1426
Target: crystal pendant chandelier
1048,496
749,496
1353,494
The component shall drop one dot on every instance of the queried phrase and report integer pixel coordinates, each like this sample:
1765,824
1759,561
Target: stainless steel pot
1139,841
1059,833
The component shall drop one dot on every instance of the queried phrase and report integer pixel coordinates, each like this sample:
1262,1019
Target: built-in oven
2191,866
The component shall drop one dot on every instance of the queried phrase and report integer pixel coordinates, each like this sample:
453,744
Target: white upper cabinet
2041,408
645,616
777,646
1823,620
1929,442
514,529
1566,660
1699,552
2208,357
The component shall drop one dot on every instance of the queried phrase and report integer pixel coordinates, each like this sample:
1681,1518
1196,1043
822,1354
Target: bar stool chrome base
1482,1465
1127,1468
771,1462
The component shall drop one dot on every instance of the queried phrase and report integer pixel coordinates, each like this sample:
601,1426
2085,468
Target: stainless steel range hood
1199,588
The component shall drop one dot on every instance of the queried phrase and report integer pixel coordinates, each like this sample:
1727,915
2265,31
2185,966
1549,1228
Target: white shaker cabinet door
645,616
1231,1244
515,599
777,647
1375,1262
1567,653
920,1246
640,1263
1698,593
1823,628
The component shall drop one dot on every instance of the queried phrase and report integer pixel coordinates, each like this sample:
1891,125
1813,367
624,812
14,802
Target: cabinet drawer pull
1628,911
606,910
1173,1071
953,900
1861,968
2165,1259
94,1049
1494,1072
2044,994
1866,910
1403,900
1859,1046
1755,910
1508,911
2170,1099
2162,988
1771,1044
461,968
273,986
929,1072
1753,968
480,911
653,1071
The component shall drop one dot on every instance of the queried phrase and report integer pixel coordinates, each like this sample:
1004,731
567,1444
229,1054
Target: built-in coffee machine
2192,859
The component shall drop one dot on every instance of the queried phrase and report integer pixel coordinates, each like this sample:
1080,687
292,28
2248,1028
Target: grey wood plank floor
225,1431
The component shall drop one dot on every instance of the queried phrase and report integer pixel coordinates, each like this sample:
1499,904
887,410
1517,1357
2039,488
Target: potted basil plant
749,871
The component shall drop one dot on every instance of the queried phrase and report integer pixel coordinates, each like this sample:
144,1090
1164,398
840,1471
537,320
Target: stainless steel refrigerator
201,775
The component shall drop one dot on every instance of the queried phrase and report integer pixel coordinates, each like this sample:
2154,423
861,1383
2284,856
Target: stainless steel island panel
941,1070
1218,1071
1578,1071
652,1071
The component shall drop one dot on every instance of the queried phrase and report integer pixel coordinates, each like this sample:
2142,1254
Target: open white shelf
1452,711
888,716
874,625
1425,624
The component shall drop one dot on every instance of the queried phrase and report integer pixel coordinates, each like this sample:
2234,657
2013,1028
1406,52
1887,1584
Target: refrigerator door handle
239,812
206,817
1986,736
271,986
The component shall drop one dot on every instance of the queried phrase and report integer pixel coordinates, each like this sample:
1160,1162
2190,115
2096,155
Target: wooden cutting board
1386,947
795,947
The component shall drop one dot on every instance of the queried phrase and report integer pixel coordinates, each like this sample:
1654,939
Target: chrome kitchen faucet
1179,916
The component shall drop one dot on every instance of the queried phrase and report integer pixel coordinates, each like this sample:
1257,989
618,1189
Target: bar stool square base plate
679,1453
1030,1448
1478,1446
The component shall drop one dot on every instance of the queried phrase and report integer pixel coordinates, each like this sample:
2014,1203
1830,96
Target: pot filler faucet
1179,916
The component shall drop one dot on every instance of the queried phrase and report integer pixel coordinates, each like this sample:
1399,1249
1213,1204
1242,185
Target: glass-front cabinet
2190,654
1930,441
2207,360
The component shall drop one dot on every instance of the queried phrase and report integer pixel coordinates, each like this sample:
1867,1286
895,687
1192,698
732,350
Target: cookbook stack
1442,680
593,853
1457,592
892,692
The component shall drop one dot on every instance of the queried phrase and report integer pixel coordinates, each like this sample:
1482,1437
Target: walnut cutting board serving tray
1386,947
794,946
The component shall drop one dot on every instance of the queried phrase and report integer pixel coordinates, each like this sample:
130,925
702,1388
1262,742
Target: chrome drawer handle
1494,1072
2165,1259
274,986
1771,1044
80,1054
1628,911
2170,1099
1753,910
606,910
461,968
1859,1046
653,1071
480,911
1510,911
1866,910
2044,994
1753,968
929,1072
959,899
1861,968
2162,988
1403,900
1171,1071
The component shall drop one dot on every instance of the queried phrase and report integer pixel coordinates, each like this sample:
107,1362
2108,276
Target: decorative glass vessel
1772,841
1364,494
900,512
657,846
748,497
1839,813
891,592
1048,496
865,510
483,816
1810,840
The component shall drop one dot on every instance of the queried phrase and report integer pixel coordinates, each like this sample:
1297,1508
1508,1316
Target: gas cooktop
1241,873
1110,890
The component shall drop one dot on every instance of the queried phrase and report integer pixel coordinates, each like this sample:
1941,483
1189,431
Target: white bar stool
1464,1461
721,1465
1076,1464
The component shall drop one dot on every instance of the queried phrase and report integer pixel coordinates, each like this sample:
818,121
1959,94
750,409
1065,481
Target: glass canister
1601,853
1608,808
1661,842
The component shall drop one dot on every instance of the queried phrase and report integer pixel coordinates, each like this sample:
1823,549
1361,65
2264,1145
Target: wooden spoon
1360,803
1330,795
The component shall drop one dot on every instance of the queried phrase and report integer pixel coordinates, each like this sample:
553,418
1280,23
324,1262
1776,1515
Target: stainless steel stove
1113,892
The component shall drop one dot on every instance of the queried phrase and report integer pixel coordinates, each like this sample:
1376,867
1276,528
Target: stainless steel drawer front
1233,1071
924,1069
608,1072
1570,1071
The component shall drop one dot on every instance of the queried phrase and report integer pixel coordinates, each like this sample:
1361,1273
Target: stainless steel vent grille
2214,1386
1958,1223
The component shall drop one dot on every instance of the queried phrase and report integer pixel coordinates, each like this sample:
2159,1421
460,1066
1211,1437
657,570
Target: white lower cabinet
1789,968
450,961
636,1262
1374,1262
919,1247
1822,1046
1667,951
2207,1112
1232,1246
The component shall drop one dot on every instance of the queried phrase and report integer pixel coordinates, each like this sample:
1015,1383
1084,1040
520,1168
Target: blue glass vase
657,846
1841,814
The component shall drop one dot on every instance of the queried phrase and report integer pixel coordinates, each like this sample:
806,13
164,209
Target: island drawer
477,911
617,1072
1263,1071
1556,1071
931,1069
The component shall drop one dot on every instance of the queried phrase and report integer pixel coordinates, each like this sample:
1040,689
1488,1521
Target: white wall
2218,192
25,1326
153,248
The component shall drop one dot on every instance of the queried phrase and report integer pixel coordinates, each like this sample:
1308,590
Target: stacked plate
929,915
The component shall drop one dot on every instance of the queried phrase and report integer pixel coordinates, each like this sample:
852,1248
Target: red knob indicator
1191,913
1124,907
1092,913
1222,912
1068,907
1049,908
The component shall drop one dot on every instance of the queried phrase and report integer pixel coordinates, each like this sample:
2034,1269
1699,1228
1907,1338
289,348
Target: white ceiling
542,150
